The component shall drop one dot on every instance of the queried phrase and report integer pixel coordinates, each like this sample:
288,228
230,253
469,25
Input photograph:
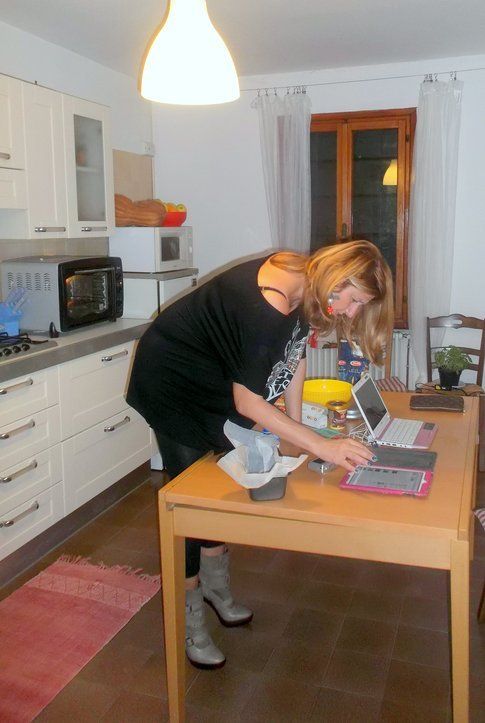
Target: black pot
448,379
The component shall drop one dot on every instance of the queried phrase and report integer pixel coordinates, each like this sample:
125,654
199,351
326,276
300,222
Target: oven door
87,295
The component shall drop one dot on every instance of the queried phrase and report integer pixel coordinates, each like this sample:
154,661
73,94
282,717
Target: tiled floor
332,639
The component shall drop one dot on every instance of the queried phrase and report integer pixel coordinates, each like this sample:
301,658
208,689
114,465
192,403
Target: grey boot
214,580
199,646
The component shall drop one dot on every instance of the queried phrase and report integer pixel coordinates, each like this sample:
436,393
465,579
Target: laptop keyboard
401,431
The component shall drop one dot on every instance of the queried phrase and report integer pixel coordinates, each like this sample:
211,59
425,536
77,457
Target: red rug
55,623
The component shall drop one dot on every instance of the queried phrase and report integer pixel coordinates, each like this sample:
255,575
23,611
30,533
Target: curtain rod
360,80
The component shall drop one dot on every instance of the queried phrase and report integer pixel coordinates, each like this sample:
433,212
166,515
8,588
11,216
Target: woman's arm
294,392
344,452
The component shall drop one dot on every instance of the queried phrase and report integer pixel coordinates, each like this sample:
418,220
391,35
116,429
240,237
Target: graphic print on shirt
282,372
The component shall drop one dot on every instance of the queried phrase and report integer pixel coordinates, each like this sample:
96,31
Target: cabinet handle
114,356
7,435
7,156
32,465
112,427
94,228
9,523
14,387
44,229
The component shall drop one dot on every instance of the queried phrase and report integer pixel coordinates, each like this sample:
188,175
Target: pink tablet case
423,491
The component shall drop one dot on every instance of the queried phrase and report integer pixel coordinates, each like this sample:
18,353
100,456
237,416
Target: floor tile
335,706
300,661
339,570
357,673
115,665
397,712
314,626
323,596
418,645
225,690
377,606
245,648
293,564
131,707
272,588
425,613
80,700
361,635
275,700
413,684
252,559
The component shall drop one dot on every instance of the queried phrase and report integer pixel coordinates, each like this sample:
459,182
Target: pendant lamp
187,61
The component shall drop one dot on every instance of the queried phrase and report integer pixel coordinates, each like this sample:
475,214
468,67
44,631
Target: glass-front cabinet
89,168
360,173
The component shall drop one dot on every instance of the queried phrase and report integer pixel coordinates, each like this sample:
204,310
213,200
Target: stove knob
25,347
16,349
7,351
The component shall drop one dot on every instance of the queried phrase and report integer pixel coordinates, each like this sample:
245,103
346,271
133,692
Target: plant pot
448,379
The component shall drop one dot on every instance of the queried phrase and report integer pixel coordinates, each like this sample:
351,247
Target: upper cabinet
11,124
64,145
46,167
89,168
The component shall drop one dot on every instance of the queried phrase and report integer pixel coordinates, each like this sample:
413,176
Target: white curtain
284,124
432,213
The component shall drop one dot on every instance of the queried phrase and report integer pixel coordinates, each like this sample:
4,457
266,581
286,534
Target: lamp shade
187,62
390,176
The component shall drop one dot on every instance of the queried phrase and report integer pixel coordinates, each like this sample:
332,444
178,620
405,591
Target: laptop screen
371,402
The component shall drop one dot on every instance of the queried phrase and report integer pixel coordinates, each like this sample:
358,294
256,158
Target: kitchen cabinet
45,160
104,437
31,492
66,434
55,164
11,124
89,168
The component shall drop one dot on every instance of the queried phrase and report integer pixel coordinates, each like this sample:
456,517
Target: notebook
384,429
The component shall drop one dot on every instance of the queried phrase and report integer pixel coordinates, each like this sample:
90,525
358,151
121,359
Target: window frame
404,120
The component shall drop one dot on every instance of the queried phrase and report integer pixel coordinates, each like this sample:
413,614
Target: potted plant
451,361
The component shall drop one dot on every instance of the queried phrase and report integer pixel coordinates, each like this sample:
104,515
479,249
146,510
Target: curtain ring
453,75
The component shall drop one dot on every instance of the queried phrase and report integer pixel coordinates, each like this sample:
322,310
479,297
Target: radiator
322,362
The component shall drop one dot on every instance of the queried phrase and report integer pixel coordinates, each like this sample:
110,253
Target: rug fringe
123,569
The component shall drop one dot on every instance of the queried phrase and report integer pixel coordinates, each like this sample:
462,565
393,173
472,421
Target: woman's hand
347,453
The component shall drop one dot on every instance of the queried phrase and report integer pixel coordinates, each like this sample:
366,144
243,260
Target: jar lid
337,405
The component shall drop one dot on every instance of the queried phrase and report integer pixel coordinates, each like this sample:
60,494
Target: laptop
387,430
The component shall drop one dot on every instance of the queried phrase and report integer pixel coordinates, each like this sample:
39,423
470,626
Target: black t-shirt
223,332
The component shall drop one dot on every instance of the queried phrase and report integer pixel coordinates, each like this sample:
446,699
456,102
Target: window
360,172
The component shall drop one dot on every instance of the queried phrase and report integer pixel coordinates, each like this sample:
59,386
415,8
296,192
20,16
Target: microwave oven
65,292
147,249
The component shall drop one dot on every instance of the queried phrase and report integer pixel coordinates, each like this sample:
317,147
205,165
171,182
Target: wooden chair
457,321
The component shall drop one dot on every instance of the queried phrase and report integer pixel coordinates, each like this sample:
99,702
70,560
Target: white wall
209,159
27,57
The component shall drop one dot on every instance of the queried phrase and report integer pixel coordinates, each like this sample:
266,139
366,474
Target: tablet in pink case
389,480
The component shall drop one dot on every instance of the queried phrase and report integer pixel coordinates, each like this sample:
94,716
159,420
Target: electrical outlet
148,148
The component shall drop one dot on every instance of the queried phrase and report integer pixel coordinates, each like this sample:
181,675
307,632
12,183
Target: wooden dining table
317,516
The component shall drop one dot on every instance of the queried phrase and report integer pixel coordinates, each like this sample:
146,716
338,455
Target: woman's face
349,300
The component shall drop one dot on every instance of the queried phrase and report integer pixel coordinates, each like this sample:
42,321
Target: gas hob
12,347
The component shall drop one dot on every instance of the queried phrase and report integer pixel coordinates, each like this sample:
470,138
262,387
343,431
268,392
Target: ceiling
266,36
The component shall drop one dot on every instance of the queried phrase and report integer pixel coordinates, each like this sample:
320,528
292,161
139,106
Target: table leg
460,631
172,550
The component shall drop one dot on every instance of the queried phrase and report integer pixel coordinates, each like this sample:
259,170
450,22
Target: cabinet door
89,168
45,162
11,124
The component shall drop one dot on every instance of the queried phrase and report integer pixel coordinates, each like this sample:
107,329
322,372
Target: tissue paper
255,459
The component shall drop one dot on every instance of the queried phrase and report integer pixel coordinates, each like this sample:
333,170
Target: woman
229,349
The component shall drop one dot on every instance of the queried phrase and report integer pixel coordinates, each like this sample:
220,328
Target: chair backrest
457,321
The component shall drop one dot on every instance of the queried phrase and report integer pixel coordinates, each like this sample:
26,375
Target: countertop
72,345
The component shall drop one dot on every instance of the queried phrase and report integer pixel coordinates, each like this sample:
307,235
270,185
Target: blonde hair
360,264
